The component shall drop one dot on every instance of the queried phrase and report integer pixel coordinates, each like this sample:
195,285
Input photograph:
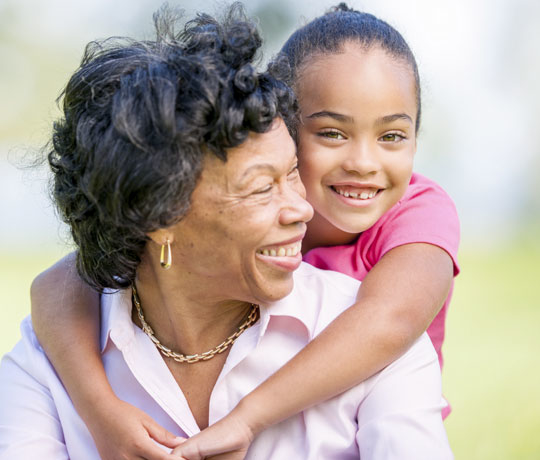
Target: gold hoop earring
166,264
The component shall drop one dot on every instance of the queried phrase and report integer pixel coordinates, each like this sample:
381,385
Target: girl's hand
227,439
123,432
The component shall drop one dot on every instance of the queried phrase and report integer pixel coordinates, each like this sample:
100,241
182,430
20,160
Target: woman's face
356,137
247,218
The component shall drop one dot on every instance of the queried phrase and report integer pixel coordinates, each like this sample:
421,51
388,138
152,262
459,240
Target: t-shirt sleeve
426,214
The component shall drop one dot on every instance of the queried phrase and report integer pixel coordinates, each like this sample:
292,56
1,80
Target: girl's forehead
362,83
354,50
355,64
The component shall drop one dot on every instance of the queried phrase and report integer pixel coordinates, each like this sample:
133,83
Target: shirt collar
295,305
116,323
116,306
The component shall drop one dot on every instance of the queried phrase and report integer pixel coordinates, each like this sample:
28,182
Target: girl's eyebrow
390,118
334,115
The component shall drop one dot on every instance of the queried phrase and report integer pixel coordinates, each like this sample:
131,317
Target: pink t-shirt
425,214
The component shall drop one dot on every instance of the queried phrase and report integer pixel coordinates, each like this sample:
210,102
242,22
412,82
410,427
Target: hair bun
280,67
203,36
242,44
342,7
245,79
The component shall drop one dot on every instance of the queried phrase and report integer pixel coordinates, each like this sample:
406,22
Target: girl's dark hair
328,33
138,118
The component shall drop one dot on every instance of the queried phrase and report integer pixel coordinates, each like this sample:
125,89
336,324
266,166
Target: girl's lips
357,201
285,263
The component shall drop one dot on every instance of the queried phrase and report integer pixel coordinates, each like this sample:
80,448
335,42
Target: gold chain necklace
253,316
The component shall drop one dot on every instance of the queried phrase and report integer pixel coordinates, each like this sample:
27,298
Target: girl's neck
321,233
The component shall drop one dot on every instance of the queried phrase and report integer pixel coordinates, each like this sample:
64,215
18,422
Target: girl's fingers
149,450
161,435
191,452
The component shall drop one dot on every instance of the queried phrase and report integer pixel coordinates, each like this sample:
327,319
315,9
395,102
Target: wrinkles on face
253,200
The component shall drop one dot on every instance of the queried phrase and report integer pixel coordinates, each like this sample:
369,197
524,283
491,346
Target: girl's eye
392,137
331,134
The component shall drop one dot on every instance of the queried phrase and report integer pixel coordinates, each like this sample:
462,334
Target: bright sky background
479,63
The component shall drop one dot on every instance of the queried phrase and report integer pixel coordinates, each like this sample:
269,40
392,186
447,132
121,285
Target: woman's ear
161,236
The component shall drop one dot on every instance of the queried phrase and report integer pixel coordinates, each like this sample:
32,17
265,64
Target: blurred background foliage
479,63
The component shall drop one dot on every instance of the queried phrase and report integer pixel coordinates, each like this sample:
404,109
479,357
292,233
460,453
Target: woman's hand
227,439
123,432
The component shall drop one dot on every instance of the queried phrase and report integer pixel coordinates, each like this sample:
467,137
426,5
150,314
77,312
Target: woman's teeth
282,251
364,195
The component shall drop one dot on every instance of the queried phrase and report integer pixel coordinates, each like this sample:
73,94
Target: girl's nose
361,159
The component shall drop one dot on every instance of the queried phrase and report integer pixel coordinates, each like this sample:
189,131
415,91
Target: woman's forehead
271,150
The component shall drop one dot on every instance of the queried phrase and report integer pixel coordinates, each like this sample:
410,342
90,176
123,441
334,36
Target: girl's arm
396,302
65,317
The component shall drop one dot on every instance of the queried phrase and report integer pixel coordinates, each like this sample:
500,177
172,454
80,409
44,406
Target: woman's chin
275,277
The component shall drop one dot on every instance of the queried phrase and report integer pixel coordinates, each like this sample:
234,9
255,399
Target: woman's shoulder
327,293
27,355
307,278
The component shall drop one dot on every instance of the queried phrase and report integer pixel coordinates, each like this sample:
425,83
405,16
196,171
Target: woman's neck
180,315
321,233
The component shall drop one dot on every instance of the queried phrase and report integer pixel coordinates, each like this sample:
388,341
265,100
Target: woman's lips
285,250
286,256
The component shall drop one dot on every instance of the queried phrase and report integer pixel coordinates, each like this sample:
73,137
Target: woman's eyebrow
390,118
257,167
334,115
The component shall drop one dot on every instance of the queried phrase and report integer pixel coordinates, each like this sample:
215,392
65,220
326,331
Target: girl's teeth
359,196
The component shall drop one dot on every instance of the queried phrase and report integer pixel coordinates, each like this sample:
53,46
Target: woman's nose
362,159
295,206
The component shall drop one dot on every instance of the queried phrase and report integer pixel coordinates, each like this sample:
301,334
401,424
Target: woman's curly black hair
138,118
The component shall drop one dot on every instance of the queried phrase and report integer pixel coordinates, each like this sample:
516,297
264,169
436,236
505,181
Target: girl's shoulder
425,214
422,187
424,200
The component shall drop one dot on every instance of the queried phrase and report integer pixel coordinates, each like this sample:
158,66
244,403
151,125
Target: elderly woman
175,171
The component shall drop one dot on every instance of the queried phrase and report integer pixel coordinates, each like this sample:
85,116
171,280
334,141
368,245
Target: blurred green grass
491,374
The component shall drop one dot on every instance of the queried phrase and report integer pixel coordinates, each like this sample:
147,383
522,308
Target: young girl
359,95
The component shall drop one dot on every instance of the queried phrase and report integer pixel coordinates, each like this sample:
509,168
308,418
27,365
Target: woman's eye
392,137
331,134
264,189
294,171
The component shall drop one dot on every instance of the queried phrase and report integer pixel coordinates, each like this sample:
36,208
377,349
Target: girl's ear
162,236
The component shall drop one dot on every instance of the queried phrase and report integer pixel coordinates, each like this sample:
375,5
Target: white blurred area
479,63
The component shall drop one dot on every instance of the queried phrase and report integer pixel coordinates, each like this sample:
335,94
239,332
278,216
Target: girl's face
356,137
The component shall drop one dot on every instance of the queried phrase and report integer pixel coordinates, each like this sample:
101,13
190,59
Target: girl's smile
356,138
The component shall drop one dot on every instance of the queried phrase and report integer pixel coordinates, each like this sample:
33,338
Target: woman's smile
247,219
286,256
